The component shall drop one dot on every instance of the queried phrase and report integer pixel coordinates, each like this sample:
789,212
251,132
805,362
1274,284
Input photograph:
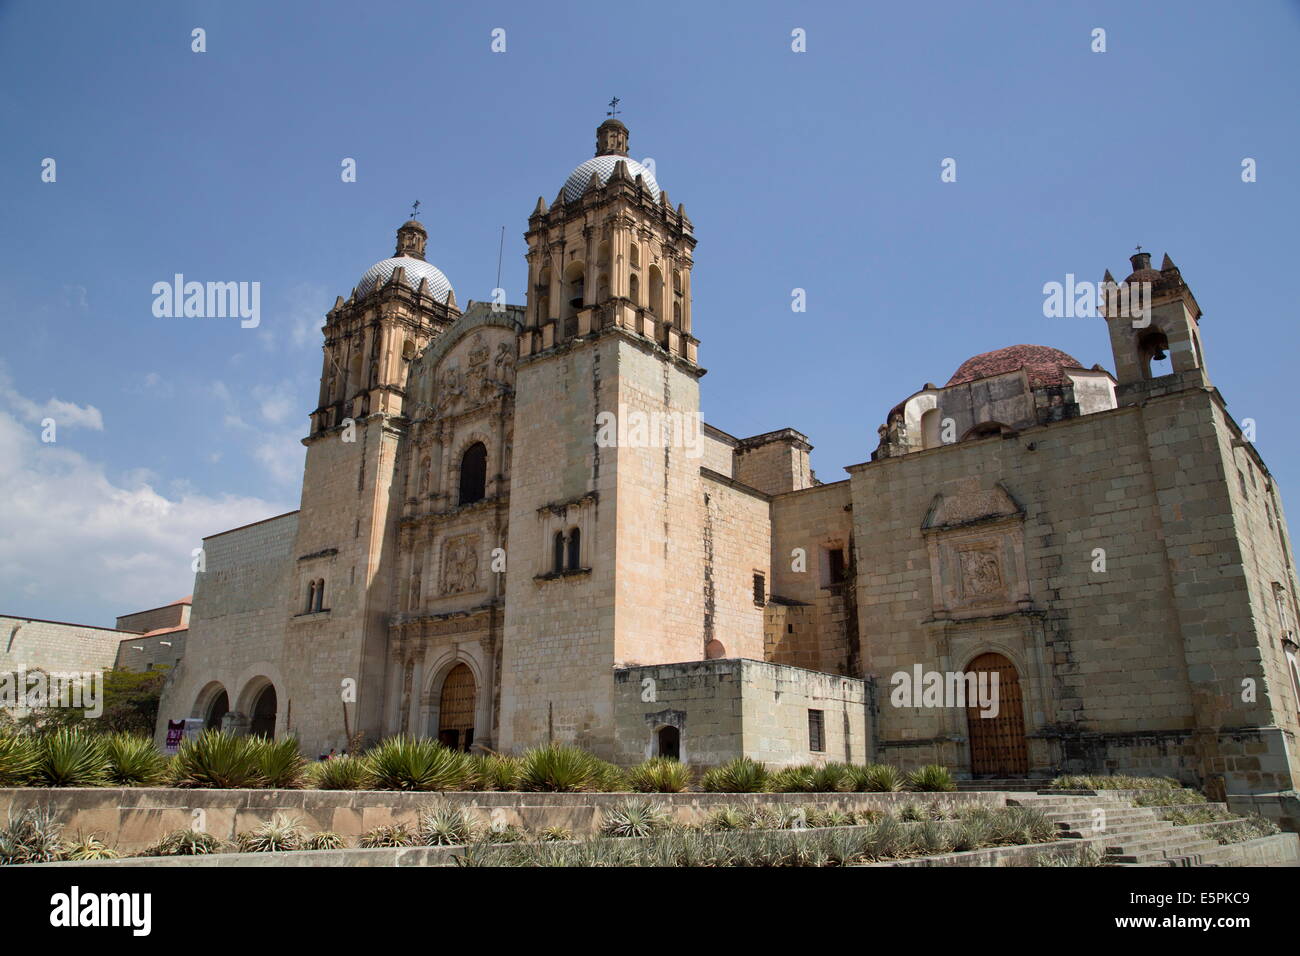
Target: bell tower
1152,318
605,541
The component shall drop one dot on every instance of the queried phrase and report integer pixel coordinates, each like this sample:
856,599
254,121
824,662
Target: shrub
70,758
1168,798
876,778
217,759
931,778
31,836
494,771
793,780
279,762
659,775
85,848
1247,828
505,833
727,818
832,778
277,835
133,760
18,760
185,843
741,775
446,826
387,836
416,763
555,834
564,770
325,840
1113,782
339,773
635,818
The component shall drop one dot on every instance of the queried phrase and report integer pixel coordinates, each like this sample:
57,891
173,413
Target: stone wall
54,647
736,544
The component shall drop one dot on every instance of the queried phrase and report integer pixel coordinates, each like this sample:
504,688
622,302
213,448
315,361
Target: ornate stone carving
460,564
981,572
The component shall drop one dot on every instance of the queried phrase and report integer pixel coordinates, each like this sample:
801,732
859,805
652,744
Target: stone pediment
962,507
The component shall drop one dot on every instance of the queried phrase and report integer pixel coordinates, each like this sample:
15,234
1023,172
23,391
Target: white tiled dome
577,182
416,269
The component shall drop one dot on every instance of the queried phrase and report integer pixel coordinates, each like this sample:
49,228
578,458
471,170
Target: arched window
544,297
473,474
656,290
1153,352
320,594
634,290
669,743
930,428
425,467
575,549
634,256
311,597
677,314
557,552
575,281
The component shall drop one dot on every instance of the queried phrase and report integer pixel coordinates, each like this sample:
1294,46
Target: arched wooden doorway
997,744
456,709
263,720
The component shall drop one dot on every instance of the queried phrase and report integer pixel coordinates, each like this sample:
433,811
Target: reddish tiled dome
1044,365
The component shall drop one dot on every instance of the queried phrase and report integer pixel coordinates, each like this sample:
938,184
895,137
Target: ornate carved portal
460,565
997,744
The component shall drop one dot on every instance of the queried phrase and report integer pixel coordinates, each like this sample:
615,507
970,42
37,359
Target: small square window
817,731
760,589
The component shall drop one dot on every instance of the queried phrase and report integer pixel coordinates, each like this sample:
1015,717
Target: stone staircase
1128,835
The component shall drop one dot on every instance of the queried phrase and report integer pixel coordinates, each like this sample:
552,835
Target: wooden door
456,711
997,744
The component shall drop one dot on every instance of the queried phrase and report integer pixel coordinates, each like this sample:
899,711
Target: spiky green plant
505,833
416,763
634,818
31,836
833,777
133,760
794,780
18,760
389,835
279,762
218,760
555,834
493,771
1113,782
563,770
325,840
932,778
728,817
659,775
876,778
742,775
184,843
279,834
338,773
70,757
85,848
446,826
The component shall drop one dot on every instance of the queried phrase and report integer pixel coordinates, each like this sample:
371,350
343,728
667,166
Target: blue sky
816,170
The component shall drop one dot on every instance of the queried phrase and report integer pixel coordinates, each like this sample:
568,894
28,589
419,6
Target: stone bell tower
346,536
605,555
1140,342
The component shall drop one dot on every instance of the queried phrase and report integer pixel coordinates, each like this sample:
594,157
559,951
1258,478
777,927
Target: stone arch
472,474
455,461
432,695
212,703
575,287
668,742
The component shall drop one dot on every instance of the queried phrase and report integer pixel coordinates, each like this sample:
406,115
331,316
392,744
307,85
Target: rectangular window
760,589
836,557
816,731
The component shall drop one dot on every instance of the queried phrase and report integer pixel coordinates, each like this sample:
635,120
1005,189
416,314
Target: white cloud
65,414
74,543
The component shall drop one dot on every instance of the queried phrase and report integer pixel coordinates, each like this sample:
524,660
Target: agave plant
184,843
876,778
18,760
727,818
277,835
634,818
416,763
832,778
338,773
794,780
563,770
326,840
659,775
493,771
446,826
69,757
389,835
505,833
931,778
742,775
279,762
219,760
555,834
31,836
133,760
85,848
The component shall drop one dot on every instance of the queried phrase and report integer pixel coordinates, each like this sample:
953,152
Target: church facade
494,549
